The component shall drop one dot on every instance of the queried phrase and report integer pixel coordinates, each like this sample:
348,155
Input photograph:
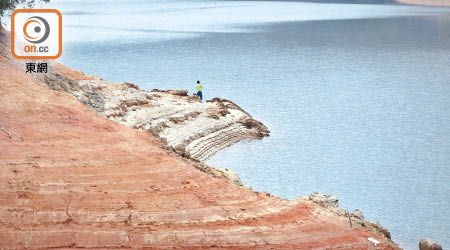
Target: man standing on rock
199,90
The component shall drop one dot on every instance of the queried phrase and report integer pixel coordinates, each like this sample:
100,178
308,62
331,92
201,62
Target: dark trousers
199,93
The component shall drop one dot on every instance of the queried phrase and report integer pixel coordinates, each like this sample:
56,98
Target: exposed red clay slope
70,178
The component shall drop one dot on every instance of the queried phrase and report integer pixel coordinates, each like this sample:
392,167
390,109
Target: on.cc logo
36,34
36,30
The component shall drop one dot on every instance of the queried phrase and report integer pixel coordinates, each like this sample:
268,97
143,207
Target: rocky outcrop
328,201
355,219
186,125
224,174
428,244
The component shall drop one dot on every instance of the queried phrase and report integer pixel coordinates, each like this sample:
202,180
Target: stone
230,176
377,226
96,101
59,82
358,214
325,200
428,244
329,202
179,149
178,92
131,85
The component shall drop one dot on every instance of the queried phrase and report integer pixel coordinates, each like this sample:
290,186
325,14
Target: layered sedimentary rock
188,126
71,178
185,125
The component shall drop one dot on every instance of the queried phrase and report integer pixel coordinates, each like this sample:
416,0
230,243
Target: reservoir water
357,97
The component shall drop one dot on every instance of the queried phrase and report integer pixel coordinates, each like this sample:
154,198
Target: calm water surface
356,96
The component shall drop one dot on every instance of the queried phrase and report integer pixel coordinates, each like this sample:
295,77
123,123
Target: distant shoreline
444,3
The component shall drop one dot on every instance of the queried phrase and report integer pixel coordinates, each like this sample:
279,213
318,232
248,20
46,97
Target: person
199,90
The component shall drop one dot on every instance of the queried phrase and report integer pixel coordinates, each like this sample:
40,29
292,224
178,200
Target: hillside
71,178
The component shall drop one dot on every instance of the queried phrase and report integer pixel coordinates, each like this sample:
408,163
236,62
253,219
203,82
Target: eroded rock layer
71,178
189,127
